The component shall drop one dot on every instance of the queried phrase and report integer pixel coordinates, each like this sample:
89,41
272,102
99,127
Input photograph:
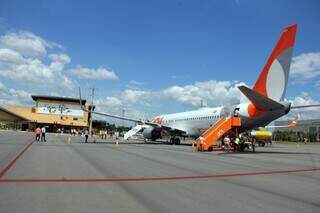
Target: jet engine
152,133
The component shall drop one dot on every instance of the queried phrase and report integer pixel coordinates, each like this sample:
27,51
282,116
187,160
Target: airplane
266,102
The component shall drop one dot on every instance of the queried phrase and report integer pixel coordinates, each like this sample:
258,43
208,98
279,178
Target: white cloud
30,60
306,113
134,102
133,96
59,61
126,98
213,93
306,66
135,85
109,102
138,83
20,94
8,56
27,43
63,58
98,74
2,87
14,97
36,73
304,99
24,58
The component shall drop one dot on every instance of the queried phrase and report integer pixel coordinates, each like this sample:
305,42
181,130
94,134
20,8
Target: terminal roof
56,98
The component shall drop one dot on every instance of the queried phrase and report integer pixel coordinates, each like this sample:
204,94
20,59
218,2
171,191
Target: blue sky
158,51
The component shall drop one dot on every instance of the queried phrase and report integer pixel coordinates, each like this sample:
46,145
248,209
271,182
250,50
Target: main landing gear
175,141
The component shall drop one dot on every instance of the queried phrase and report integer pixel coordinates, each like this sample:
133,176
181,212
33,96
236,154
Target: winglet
295,121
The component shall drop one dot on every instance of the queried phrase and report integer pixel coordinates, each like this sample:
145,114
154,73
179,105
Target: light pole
123,111
91,109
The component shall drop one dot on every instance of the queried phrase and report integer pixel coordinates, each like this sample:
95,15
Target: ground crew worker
241,143
43,134
236,144
38,132
254,140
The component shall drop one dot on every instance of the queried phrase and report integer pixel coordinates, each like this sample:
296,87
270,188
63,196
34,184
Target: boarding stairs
133,131
210,137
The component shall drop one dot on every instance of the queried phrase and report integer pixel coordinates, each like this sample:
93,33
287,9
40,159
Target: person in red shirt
38,132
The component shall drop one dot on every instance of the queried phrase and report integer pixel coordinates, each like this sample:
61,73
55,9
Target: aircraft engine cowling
249,110
152,133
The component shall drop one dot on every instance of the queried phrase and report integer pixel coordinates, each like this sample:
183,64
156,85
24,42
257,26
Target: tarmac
58,176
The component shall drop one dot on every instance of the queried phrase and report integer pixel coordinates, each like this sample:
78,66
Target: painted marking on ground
143,179
10,165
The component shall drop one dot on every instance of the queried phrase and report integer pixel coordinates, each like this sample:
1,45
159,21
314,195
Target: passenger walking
86,134
105,134
227,141
38,132
43,134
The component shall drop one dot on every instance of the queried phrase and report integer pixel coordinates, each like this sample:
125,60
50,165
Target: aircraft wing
170,130
141,122
173,131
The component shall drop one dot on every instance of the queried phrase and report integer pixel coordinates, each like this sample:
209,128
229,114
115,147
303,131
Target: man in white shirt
43,134
86,134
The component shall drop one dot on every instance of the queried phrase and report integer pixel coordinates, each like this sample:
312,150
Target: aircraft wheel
177,141
201,148
171,141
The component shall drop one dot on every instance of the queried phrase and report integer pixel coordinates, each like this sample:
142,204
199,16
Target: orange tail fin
273,79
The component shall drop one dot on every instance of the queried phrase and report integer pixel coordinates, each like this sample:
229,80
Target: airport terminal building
308,128
54,112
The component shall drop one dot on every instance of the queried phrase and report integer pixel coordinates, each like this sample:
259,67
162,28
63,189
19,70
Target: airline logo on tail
272,82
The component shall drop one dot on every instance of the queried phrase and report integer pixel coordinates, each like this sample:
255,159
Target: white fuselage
194,123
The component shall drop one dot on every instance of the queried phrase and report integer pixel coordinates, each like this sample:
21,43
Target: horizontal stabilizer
261,102
304,106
